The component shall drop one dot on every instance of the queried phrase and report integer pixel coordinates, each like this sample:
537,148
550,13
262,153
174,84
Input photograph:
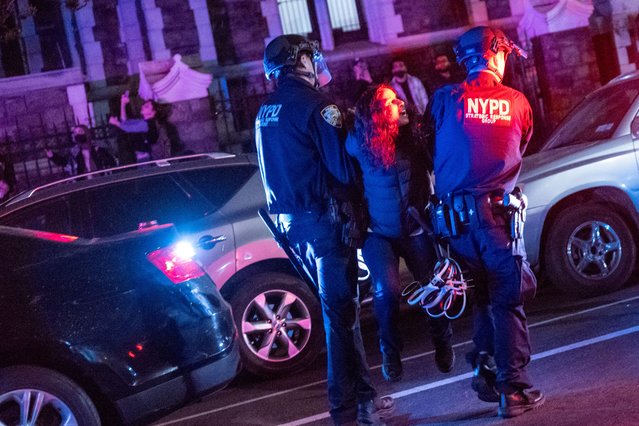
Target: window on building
34,39
345,17
11,48
298,17
49,25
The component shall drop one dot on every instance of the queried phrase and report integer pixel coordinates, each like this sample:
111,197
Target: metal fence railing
26,151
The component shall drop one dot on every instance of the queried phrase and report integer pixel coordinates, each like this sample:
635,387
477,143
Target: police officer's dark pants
502,283
381,255
318,241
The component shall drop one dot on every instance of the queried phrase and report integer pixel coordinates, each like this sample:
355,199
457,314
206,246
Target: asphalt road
585,359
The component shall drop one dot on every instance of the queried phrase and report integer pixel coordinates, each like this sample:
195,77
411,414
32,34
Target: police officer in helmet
305,167
479,130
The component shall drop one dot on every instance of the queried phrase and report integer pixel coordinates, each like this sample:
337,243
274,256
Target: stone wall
238,30
107,33
35,113
431,15
498,9
567,70
180,32
195,125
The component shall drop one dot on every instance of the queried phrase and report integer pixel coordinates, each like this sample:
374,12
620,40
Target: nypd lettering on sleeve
268,115
488,111
333,116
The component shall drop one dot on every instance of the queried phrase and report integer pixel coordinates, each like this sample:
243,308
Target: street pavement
585,359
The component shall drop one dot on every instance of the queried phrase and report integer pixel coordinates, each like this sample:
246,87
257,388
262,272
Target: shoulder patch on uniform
333,116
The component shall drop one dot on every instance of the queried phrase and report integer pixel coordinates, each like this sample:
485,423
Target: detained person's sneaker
517,403
392,367
485,378
373,411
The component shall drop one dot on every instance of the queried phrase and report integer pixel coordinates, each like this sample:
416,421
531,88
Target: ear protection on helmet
484,42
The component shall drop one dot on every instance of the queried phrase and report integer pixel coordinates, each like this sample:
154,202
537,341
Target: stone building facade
78,63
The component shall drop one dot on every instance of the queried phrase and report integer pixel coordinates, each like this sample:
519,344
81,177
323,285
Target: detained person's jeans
381,255
335,268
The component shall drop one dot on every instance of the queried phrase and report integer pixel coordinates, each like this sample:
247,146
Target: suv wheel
590,251
280,324
35,395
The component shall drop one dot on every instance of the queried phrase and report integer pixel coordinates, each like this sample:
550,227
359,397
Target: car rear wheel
35,395
590,251
280,325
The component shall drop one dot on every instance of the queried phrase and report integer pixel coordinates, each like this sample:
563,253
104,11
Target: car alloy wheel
594,250
276,325
31,395
280,322
590,250
32,406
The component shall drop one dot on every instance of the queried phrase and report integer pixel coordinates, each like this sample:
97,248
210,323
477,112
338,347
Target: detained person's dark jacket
299,137
389,192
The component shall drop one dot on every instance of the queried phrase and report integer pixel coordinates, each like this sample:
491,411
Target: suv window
219,184
596,118
51,216
124,206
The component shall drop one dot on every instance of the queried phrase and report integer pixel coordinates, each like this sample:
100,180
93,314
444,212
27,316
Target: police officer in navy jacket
303,163
479,130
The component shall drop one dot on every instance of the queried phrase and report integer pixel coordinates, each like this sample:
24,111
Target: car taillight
176,262
54,236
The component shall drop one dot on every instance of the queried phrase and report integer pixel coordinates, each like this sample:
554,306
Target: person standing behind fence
409,88
168,140
7,177
84,156
146,138
444,72
363,80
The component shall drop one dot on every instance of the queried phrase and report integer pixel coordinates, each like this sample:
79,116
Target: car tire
584,241
256,302
60,397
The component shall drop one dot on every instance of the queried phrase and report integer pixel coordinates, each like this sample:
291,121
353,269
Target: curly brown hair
374,127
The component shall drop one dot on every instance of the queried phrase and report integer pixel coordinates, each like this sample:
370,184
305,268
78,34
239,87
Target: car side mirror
634,127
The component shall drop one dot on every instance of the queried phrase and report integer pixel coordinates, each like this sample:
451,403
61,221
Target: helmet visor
321,69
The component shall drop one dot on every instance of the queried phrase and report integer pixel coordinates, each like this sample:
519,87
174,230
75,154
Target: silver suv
213,200
583,192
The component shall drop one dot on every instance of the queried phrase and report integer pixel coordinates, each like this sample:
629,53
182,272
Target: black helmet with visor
283,52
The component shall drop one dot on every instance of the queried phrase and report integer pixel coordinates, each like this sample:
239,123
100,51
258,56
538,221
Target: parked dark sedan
107,330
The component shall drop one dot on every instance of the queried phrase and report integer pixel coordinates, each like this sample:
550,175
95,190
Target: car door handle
207,242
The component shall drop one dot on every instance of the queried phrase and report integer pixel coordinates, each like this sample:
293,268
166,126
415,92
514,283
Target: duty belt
458,212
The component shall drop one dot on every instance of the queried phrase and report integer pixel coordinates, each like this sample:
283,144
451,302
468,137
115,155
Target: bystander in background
84,156
363,81
444,72
7,177
145,138
409,88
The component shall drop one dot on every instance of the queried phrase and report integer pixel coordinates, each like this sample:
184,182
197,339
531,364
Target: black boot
517,403
485,378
